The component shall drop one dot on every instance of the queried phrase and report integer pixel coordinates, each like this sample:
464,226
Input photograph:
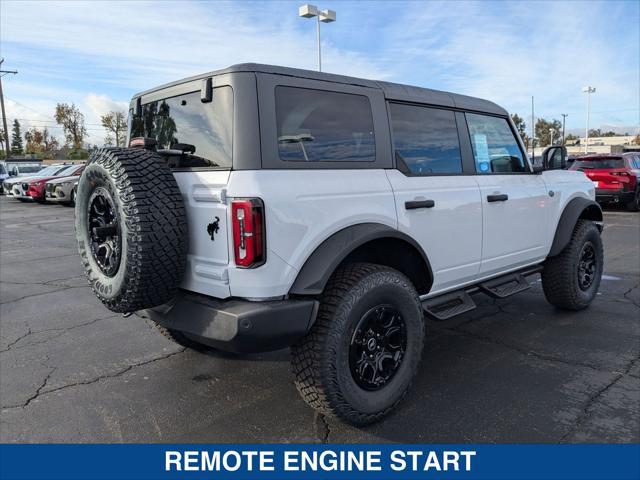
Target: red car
35,188
616,177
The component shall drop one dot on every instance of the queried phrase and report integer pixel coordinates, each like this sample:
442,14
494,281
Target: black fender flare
320,265
575,209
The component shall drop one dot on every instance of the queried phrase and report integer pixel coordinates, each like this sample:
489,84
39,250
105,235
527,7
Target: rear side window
322,126
425,139
495,148
184,119
598,163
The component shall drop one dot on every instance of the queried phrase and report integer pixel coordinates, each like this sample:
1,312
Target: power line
51,121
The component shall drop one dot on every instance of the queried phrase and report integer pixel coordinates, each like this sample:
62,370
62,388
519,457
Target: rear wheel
634,205
571,279
360,357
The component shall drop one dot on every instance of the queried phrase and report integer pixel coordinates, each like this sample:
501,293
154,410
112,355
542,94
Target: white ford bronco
262,207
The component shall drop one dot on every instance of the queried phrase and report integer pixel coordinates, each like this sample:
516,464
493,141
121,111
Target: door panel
515,229
450,232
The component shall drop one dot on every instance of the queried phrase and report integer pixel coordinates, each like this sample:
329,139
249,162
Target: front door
436,202
515,201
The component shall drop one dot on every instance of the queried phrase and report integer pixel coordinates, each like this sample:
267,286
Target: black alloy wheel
104,231
587,266
377,347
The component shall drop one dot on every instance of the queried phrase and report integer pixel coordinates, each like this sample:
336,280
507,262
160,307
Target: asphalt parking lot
515,370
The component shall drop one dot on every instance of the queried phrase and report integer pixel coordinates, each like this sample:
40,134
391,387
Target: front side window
495,148
425,139
207,127
322,126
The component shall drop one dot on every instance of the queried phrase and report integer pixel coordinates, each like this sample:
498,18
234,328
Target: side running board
449,305
506,286
455,303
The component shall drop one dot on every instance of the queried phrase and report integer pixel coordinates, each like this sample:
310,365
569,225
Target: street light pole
588,90
564,117
325,16
319,46
4,115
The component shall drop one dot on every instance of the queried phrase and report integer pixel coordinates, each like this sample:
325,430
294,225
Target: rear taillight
247,218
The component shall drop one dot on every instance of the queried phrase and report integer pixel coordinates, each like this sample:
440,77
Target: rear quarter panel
302,209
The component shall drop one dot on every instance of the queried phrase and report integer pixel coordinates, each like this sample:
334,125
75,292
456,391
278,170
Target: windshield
66,171
185,120
597,163
2,170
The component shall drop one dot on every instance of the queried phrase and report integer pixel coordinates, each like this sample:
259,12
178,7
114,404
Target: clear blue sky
97,54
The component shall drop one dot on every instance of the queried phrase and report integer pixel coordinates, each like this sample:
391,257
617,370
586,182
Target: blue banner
325,462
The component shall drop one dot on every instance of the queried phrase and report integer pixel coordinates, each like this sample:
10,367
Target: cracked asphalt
515,370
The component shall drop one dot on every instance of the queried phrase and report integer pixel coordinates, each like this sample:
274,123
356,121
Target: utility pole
4,115
533,134
564,117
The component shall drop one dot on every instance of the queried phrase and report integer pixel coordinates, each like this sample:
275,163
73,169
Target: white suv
261,207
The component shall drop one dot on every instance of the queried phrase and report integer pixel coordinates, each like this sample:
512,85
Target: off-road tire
560,274
634,205
320,360
152,219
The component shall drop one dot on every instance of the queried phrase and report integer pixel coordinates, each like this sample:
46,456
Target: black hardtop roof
392,91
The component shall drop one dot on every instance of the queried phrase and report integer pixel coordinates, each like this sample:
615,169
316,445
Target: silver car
61,190
17,179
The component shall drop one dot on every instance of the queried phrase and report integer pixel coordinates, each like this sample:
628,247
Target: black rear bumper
616,196
235,325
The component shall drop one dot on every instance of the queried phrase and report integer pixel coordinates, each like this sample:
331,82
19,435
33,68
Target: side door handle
414,204
501,197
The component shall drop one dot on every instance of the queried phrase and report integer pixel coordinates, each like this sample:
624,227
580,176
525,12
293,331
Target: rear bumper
616,196
237,325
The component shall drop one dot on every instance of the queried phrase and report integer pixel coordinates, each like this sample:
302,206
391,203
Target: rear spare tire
131,228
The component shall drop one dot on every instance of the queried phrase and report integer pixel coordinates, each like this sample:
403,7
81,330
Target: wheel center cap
372,344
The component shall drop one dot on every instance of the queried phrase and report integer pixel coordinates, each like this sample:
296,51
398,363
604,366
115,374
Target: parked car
3,176
17,180
35,186
261,207
62,190
15,169
616,177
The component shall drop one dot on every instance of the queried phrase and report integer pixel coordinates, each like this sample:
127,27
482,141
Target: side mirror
554,158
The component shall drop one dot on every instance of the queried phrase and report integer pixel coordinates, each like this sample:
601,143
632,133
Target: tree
116,124
543,131
16,138
40,141
595,132
72,121
521,127
570,139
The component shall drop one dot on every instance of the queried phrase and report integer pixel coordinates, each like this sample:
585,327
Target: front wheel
571,279
360,357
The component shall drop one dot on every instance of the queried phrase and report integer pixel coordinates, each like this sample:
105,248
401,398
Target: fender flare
320,265
575,209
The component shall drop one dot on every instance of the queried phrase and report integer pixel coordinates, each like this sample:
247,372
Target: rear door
437,202
515,201
179,116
